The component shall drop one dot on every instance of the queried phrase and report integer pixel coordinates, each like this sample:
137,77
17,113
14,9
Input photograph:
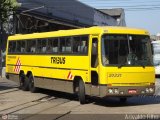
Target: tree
7,7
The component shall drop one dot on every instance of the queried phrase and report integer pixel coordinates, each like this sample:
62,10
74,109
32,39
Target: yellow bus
96,61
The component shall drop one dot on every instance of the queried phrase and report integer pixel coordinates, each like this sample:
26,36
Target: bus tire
23,82
123,99
81,92
32,87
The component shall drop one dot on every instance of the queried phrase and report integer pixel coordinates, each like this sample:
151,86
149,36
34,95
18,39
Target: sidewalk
6,84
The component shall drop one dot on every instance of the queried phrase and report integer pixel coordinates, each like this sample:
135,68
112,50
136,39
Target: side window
55,45
41,46
84,44
76,44
31,46
20,48
44,46
62,45
52,45
80,44
23,46
68,44
12,47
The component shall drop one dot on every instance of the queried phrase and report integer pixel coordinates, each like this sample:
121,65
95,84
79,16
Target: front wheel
81,92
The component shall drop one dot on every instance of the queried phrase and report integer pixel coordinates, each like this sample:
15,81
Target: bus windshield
123,50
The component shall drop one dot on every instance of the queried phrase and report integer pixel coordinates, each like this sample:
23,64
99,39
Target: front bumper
130,90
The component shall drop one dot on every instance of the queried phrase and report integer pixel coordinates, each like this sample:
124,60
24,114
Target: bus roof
82,31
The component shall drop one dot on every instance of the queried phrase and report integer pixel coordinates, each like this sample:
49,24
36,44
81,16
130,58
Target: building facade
118,14
51,15
48,15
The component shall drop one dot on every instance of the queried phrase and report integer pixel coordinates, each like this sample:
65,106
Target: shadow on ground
109,101
6,86
132,101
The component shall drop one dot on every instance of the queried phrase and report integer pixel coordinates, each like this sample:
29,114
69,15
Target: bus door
94,66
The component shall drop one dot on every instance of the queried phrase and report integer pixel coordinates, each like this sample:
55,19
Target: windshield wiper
142,65
121,65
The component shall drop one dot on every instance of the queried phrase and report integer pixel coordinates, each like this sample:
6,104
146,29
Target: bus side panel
52,74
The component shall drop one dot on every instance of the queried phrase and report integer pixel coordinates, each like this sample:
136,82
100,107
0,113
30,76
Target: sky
138,13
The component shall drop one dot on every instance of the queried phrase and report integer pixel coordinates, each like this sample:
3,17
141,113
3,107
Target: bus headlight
116,91
142,92
147,90
151,90
110,91
121,92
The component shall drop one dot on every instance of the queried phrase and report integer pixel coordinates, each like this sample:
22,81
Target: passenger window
84,45
55,45
80,44
44,44
76,44
12,47
31,46
23,46
68,44
52,45
41,46
20,47
62,45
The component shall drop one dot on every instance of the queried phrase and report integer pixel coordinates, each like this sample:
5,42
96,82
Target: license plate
132,91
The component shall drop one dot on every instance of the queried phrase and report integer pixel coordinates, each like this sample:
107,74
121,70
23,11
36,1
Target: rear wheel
81,92
23,82
32,87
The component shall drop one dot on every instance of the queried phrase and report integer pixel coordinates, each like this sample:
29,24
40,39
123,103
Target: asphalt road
50,105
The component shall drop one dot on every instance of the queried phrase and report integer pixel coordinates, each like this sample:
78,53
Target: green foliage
6,8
